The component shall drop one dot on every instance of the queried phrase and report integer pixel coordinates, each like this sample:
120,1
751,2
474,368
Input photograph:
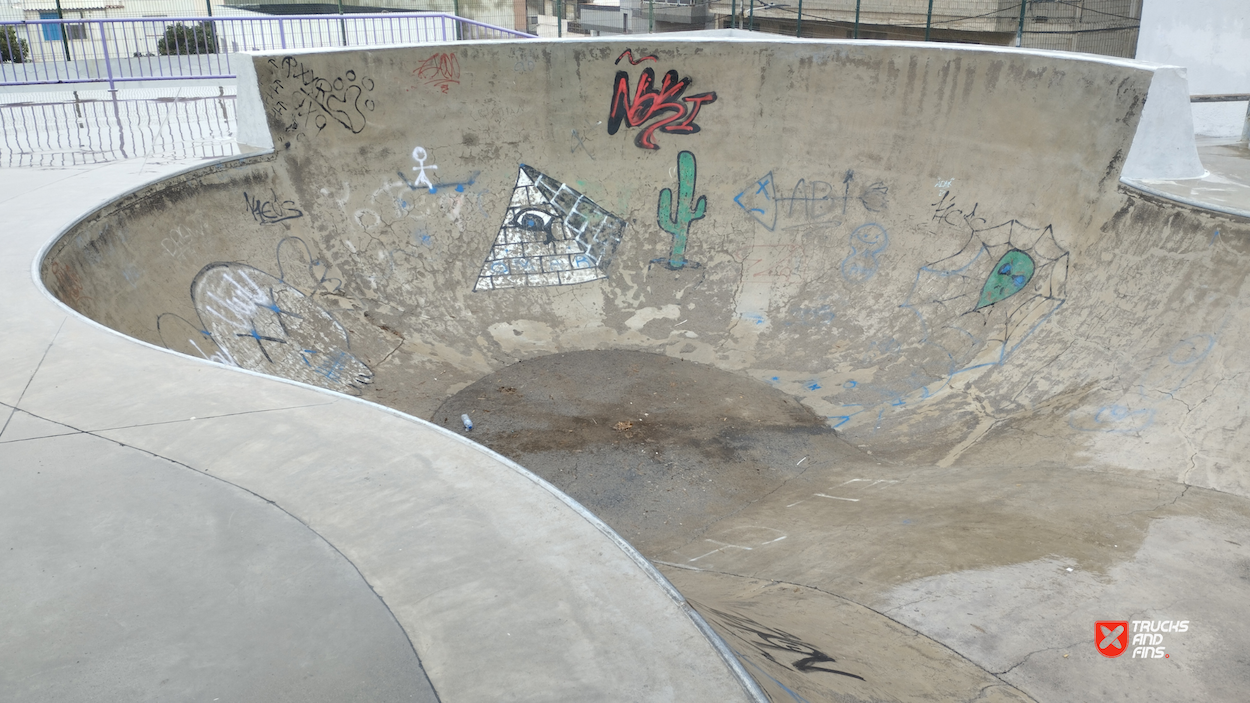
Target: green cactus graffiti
677,222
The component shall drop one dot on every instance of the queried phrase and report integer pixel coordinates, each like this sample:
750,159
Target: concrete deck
995,489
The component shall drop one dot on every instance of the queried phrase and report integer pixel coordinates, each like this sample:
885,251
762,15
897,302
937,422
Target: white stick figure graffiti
420,156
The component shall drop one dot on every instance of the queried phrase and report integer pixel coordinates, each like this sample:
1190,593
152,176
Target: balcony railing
40,52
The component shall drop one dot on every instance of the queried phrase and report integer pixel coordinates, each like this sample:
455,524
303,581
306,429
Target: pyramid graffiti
551,235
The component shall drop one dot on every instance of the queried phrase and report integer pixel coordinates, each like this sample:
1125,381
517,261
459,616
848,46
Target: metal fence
1107,27
97,127
36,52
1096,26
497,12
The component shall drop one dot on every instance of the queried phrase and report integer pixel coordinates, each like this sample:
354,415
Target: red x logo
1111,637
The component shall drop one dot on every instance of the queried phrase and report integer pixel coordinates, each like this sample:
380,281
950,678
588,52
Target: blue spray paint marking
867,241
813,385
1217,233
1155,384
755,317
1116,419
812,316
763,187
849,385
273,307
331,367
763,184
434,187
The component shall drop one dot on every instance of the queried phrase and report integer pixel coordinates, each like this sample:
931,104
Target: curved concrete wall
928,245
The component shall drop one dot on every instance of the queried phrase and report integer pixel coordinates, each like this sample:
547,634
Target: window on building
51,32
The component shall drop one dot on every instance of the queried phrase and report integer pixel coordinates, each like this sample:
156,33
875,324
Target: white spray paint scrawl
551,235
260,323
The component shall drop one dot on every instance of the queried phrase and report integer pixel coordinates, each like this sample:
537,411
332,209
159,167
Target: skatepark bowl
845,371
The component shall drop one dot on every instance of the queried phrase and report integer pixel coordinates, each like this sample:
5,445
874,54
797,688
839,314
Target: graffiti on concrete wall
440,70
1163,379
180,242
867,242
69,285
970,310
271,210
778,646
299,98
664,109
251,319
551,235
422,179
628,55
675,216
982,302
809,202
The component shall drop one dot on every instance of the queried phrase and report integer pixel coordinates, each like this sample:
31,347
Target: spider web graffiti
551,235
980,304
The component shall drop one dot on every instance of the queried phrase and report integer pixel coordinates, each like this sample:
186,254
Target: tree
12,47
188,39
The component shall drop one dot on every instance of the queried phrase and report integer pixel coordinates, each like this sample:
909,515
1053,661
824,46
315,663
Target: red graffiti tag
440,70
671,113
628,54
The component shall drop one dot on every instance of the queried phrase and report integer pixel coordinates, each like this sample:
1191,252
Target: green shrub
12,48
188,39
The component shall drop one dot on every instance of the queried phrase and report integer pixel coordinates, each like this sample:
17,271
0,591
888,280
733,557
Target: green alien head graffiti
1011,274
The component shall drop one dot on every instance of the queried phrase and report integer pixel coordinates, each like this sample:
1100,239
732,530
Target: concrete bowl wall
928,245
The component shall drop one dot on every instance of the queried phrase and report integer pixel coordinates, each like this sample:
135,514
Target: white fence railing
98,126
37,52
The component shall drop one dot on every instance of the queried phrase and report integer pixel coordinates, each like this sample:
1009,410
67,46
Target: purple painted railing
41,52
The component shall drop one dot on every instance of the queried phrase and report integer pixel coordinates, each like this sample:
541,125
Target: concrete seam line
749,684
